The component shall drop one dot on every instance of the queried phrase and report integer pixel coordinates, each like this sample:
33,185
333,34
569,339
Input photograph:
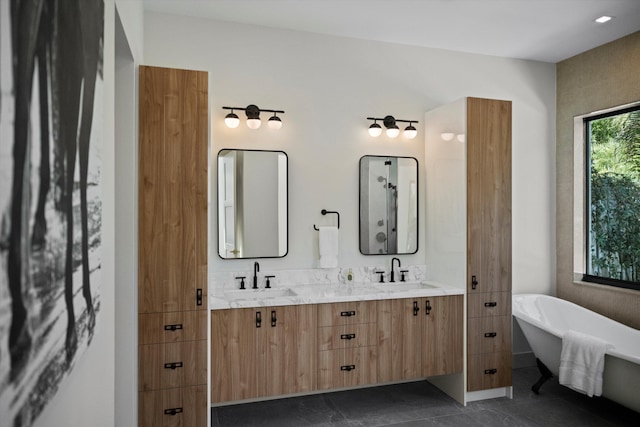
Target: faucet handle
381,273
402,275
268,285
241,281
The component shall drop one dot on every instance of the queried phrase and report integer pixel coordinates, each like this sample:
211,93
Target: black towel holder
324,212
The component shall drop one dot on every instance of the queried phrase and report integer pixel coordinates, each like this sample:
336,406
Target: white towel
328,247
582,362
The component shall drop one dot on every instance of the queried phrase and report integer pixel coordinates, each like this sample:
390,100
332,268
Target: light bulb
410,132
460,137
274,122
375,130
253,123
231,120
393,132
447,136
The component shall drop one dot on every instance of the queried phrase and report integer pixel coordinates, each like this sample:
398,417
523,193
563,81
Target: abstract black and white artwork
51,131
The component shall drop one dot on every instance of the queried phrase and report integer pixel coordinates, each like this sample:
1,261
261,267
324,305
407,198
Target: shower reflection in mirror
252,204
388,205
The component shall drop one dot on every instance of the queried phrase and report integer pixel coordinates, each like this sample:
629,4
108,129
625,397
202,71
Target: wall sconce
253,117
448,136
393,131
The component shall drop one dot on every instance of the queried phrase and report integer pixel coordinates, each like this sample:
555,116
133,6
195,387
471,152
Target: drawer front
177,326
489,370
346,368
346,313
346,336
489,304
489,334
162,366
178,407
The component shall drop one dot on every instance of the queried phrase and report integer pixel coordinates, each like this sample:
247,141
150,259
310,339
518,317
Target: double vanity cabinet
282,350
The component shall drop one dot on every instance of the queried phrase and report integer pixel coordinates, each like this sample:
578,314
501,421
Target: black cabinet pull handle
347,367
273,318
199,296
490,304
258,319
416,309
173,327
428,307
490,334
347,336
173,365
347,313
173,411
490,371
474,282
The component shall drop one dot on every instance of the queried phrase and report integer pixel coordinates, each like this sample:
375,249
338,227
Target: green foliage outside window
614,223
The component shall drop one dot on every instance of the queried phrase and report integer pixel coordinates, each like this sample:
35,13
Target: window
613,198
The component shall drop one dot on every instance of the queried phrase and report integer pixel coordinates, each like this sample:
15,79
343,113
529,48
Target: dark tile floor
421,404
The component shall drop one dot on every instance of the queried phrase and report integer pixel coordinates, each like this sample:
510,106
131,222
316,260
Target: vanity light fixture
253,117
393,130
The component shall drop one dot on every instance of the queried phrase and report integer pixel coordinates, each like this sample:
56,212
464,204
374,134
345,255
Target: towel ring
324,212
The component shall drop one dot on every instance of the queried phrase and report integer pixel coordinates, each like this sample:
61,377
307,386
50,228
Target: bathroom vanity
323,337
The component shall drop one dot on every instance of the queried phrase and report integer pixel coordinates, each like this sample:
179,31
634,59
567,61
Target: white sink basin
259,294
404,286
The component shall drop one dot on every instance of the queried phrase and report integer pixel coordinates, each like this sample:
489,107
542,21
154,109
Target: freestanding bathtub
544,320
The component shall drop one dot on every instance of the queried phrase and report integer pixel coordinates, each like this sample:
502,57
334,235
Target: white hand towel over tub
582,362
328,247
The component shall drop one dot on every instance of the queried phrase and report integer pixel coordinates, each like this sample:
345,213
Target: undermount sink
404,286
259,294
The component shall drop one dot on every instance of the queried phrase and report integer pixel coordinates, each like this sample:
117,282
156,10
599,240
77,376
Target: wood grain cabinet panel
489,334
489,304
172,245
442,351
347,367
346,336
488,370
346,313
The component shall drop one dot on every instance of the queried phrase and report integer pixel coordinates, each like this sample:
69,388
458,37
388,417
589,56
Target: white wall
328,86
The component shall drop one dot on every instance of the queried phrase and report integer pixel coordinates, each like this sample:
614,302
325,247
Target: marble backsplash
290,278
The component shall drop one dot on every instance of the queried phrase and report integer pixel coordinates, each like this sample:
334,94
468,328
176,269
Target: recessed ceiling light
603,19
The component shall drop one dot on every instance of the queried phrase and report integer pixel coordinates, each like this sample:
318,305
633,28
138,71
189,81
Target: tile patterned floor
421,404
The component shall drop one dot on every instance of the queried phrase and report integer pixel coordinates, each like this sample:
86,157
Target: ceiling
540,30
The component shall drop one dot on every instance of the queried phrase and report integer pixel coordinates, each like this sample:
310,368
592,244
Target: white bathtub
544,320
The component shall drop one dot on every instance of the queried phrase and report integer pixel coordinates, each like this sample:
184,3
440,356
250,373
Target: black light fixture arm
253,108
390,120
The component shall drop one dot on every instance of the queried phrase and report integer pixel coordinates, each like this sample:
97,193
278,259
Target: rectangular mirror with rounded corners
252,204
388,205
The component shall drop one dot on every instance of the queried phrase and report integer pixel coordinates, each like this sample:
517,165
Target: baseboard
523,360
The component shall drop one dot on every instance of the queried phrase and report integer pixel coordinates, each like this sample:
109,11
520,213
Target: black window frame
626,284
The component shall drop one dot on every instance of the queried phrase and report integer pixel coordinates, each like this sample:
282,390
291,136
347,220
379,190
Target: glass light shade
447,136
375,130
460,137
274,122
231,120
253,123
393,132
410,132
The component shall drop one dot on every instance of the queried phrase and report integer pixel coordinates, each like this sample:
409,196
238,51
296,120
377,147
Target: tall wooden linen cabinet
468,214
172,251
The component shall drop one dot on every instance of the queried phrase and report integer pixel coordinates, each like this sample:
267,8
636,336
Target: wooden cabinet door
236,351
399,335
291,356
172,249
442,335
488,195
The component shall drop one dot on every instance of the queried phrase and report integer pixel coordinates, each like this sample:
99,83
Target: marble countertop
220,299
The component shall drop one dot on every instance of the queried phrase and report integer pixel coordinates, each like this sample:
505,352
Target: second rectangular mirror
252,204
388,205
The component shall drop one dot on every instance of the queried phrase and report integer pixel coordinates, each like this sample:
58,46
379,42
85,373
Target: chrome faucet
392,273
256,268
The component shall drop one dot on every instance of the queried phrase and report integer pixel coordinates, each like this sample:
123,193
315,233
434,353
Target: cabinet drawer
489,304
346,313
156,328
489,370
177,407
347,367
346,336
489,334
170,365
